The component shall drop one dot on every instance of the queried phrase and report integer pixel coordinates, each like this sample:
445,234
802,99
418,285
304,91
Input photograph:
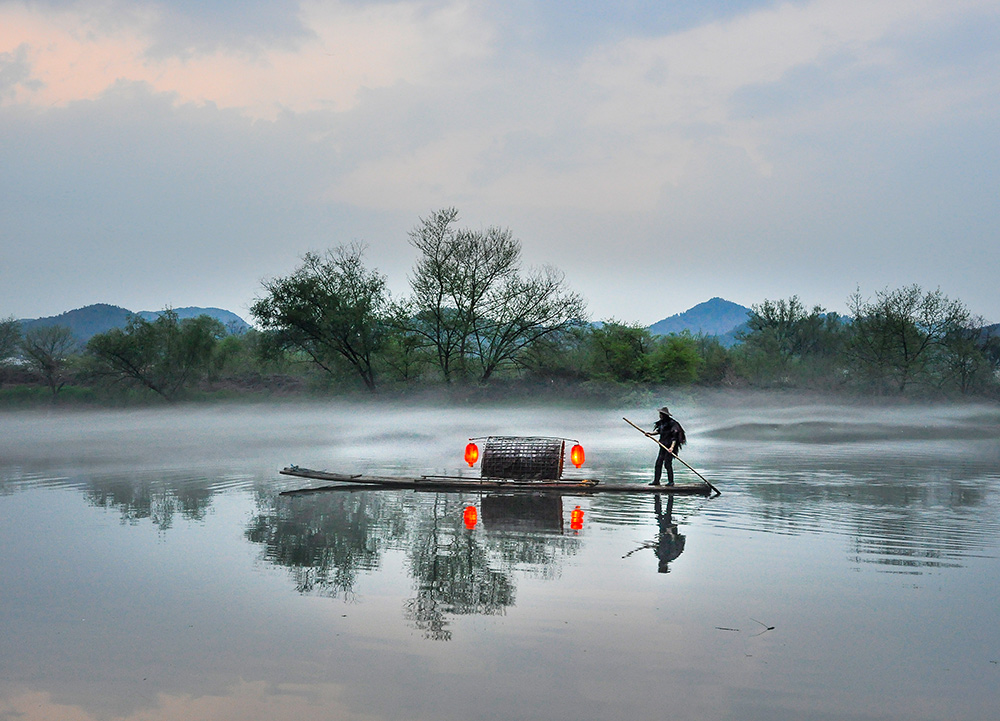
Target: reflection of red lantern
470,517
471,454
576,519
576,455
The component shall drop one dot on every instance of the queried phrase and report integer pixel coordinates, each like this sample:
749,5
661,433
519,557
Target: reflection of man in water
670,543
672,436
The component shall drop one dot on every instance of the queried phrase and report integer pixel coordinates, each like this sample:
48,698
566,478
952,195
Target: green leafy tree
243,356
47,350
716,367
966,355
404,353
10,342
565,355
331,308
776,323
165,355
10,338
786,344
674,360
620,352
990,341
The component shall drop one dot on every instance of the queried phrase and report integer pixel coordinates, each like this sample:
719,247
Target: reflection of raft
459,483
522,512
510,463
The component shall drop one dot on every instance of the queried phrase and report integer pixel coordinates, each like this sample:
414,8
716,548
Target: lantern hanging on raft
471,454
470,516
576,455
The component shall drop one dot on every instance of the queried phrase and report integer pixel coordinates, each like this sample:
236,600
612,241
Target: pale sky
659,153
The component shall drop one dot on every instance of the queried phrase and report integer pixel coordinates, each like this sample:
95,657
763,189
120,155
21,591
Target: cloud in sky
177,152
330,53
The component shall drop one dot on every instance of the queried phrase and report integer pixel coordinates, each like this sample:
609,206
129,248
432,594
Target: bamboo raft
359,482
509,463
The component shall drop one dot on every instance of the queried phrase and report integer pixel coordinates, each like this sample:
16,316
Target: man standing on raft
672,436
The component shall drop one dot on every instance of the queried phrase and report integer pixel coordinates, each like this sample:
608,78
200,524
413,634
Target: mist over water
152,570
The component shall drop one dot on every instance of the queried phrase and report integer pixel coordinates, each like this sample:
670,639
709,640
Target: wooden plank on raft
459,483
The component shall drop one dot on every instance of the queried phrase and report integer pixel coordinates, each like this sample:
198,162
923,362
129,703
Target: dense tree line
897,341
474,312
475,316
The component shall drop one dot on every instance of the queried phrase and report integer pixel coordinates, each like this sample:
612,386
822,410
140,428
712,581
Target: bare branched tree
897,335
520,312
472,305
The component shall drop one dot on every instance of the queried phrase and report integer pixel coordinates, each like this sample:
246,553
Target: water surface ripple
153,571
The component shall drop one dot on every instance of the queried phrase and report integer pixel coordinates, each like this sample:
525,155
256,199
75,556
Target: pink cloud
76,54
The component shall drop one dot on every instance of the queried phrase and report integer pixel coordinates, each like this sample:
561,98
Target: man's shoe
654,483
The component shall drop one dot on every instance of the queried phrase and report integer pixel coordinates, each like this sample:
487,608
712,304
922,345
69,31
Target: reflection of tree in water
914,529
461,572
157,501
909,516
453,575
325,539
452,572
525,532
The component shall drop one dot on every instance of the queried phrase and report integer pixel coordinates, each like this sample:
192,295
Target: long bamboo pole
707,482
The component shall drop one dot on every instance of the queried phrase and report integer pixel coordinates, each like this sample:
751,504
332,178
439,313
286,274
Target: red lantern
576,455
471,454
576,519
470,516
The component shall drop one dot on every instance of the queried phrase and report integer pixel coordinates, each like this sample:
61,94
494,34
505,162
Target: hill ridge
89,320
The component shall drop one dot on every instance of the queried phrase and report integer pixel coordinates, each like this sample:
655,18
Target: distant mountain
716,317
84,322
233,323
90,320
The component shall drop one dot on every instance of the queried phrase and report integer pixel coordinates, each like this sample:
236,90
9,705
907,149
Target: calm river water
151,571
